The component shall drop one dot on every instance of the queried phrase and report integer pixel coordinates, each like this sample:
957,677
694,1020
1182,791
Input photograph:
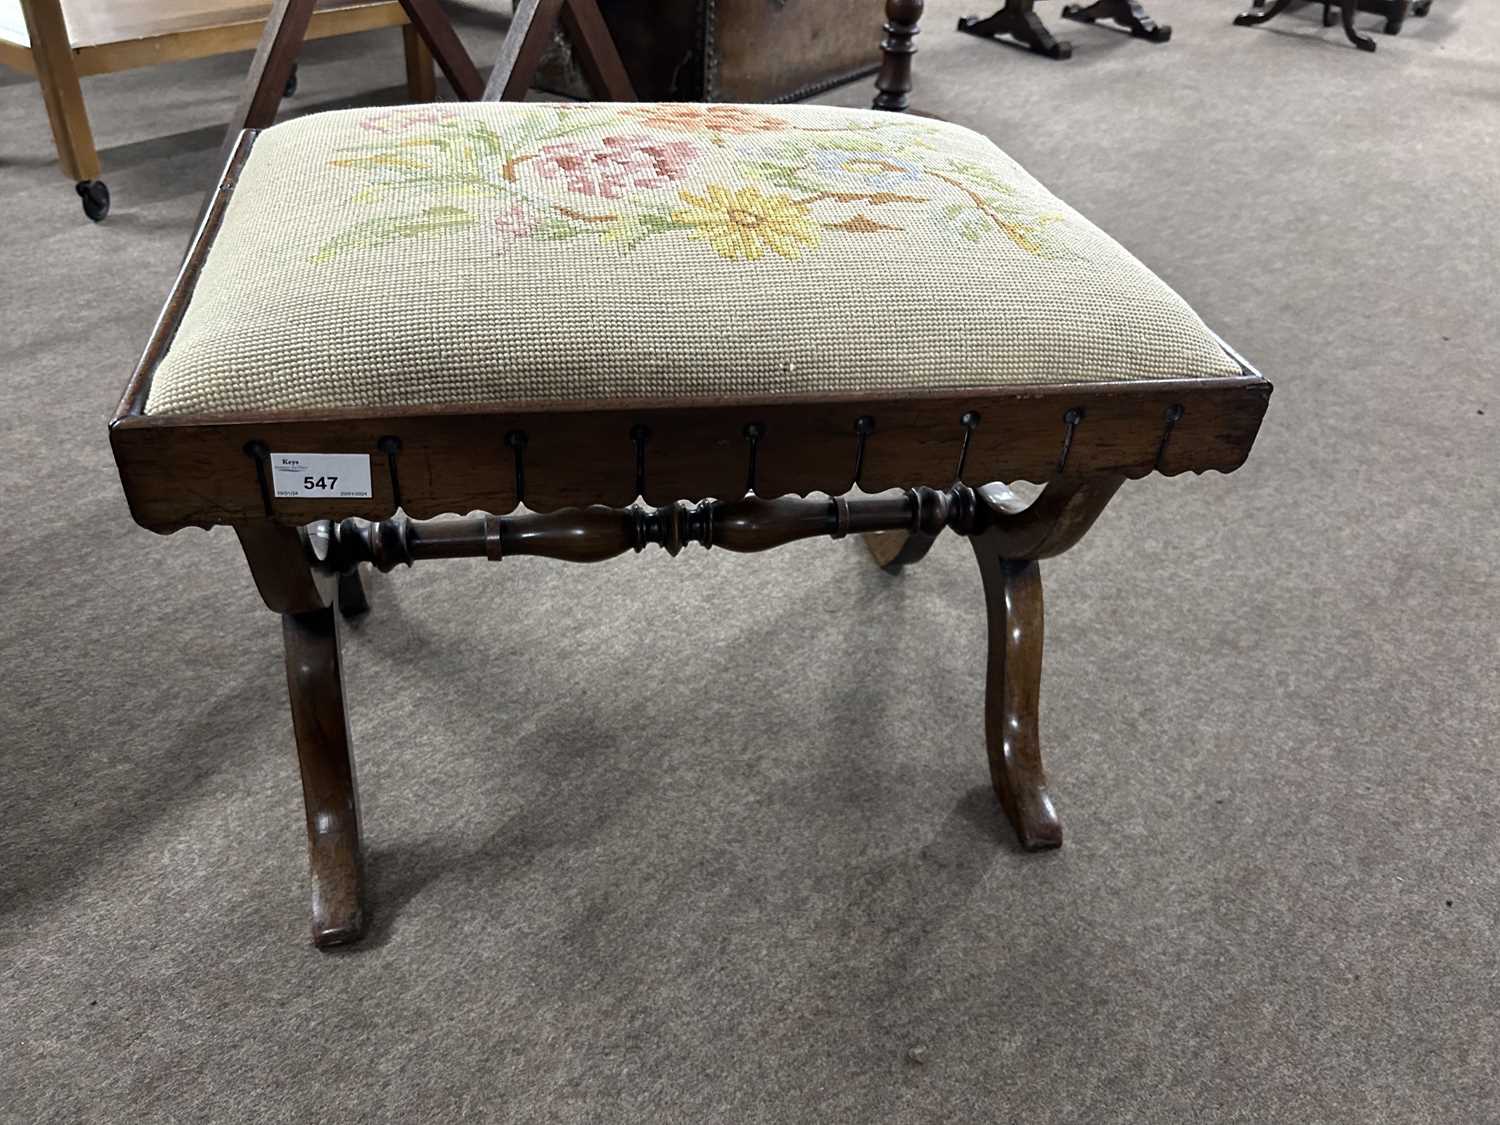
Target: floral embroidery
399,120
731,119
622,163
743,223
870,169
736,182
514,222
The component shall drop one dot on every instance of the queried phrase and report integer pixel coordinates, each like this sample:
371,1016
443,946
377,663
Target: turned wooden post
902,18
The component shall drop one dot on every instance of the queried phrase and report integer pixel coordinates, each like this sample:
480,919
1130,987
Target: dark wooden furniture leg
1009,538
531,30
895,550
1258,14
1393,10
1018,20
279,560
1127,13
902,26
1012,696
315,684
354,593
1363,42
1015,537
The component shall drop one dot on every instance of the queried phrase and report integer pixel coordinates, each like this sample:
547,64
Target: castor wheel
1330,17
1421,7
95,196
291,84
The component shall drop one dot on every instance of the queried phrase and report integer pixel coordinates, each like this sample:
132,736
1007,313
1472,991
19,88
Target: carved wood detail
902,26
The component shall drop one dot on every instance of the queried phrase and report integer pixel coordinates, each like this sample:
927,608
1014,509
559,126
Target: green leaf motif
982,175
632,230
558,230
386,229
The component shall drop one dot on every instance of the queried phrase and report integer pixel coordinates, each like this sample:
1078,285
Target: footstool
596,327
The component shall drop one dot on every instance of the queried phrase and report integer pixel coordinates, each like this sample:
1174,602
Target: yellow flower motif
741,224
732,119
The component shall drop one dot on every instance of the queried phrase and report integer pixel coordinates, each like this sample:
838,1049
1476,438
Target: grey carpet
711,839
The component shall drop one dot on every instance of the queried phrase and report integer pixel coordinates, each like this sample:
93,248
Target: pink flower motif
516,222
399,120
622,164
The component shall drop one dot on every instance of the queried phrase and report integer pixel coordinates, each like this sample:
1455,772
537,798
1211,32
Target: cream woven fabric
494,252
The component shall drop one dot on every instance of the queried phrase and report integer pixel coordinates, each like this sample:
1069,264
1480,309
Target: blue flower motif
869,169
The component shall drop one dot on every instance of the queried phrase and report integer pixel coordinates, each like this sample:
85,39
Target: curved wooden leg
1012,693
1010,537
902,20
315,683
1363,42
893,550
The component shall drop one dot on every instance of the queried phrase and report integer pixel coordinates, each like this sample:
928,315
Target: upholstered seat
490,253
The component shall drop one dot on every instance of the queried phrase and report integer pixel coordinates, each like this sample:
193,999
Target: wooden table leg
420,84
57,73
1018,20
435,29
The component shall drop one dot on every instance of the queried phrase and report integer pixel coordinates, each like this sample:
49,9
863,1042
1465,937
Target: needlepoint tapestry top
456,253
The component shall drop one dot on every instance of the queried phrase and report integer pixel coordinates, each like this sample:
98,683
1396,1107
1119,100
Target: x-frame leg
310,576
1010,538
